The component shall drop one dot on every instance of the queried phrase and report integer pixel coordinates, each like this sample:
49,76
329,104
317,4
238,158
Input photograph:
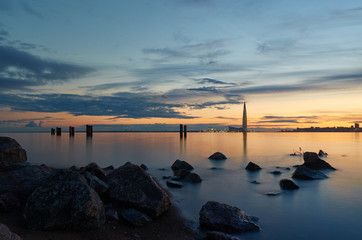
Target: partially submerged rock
193,177
288,184
144,167
64,201
135,217
218,156
11,152
311,160
322,153
6,234
222,217
276,172
174,184
252,167
178,164
219,236
130,186
182,173
305,173
23,181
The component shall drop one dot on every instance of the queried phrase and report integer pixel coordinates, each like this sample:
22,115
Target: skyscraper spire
245,120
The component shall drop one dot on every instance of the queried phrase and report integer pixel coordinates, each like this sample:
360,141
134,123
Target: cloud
19,70
288,119
211,81
203,89
31,124
23,122
27,8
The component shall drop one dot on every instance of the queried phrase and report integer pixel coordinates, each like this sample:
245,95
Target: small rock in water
218,156
322,153
178,164
216,168
182,173
312,161
135,217
255,182
272,193
288,184
252,167
193,177
305,173
276,172
174,184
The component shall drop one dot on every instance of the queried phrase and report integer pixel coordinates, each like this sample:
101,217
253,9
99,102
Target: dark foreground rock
9,202
222,217
22,182
6,234
218,156
11,152
130,186
305,173
95,183
252,167
96,170
219,236
135,217
288,184
312,161
64,201
178,164
322,153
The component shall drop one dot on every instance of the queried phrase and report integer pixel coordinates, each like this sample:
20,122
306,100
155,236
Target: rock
216,168
219,236
178,164
276,172
182,173
218,156
64,201
9,202
15,166
23,181
255,182
312,161
272,194
130,186
95,183
222,217
6,234
252,167
144,167
111,214
303,172
11,152
97,171
288,184
135,217
193,177
285,168
322,153
74,168
174,184
166,177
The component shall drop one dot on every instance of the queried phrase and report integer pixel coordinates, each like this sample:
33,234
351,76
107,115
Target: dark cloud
19,70
284,117
203,89
279,121
211,81
121,105
31,124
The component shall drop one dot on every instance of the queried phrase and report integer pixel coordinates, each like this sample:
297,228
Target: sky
135,65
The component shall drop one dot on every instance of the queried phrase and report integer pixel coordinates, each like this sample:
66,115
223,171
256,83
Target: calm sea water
321,209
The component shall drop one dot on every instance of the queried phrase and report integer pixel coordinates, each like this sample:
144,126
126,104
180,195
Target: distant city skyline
153,65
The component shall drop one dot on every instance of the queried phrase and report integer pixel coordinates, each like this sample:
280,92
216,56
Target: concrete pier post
181,130
185,131
89,130
71,131
52,131
59,131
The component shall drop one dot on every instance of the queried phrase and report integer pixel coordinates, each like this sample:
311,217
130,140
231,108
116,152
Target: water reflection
245,138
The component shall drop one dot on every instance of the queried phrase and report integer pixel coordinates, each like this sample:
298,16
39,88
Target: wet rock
6,234
252,167
285,168
178,164
130,186
276,172
219,236
311,160
193,177
95,183
9,202
144,167
218,156
305,173
182,173
64,201
174,184
97,171
322,153
23,181
111,214
108,169
222,217
272,194
288,184
255,182
11,152
135,217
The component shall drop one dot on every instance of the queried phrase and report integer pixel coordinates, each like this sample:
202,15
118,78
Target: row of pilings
183,131
58,131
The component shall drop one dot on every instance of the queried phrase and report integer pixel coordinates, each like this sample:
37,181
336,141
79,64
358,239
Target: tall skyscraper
245,120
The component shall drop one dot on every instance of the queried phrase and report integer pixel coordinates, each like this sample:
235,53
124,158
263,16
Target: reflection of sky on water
307,213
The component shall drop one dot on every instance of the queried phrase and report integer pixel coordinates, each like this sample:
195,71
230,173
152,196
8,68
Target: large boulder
95,170
130,186
312,161
23,181
6,234
222,217
178,165
64,201
10,152
305,173
288,184
95,183
218,156
252,167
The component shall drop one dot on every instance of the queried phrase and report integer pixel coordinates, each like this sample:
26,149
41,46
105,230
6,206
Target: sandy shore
168,226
